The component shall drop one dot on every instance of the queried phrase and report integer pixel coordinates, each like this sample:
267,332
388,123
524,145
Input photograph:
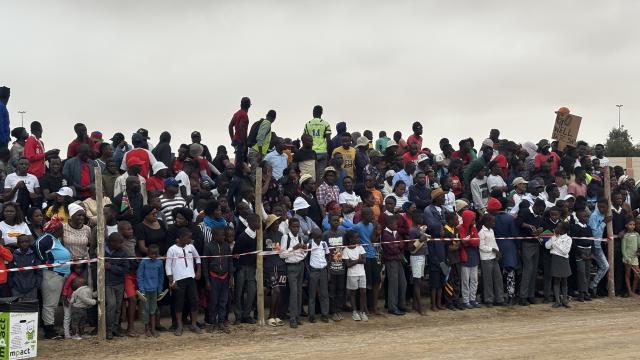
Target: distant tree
619,143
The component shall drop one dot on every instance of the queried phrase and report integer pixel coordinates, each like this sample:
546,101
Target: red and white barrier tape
260,253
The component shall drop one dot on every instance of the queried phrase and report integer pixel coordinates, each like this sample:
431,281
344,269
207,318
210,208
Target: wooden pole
102,322
611,287
259,264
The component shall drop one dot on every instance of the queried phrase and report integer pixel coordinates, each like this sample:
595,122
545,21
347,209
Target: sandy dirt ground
599,329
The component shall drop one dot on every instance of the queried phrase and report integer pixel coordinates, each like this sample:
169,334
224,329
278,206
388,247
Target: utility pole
22,112
619,110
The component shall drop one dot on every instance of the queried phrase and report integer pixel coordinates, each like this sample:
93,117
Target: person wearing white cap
362,159
155,183
301,208
519,192
387,188
62,197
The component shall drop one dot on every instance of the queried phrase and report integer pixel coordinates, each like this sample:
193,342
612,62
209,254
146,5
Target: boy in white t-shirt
21,180
353,254
348,199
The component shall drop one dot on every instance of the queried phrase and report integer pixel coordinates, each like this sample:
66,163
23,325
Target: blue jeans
603,266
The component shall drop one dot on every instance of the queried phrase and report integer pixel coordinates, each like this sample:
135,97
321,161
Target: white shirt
289,255
559,245
180,262
349,199
317,255
354,254
487,244
29,180
278,162
449,201
495,181
10,233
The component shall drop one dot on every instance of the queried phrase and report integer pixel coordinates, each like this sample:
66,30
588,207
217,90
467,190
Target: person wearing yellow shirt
348,153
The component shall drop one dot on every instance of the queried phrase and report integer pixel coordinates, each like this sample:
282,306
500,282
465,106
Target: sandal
132,334
272,322
279,322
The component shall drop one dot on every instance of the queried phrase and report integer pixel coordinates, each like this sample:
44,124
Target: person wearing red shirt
544,155
81,138
140,152
464,153
238,127
416,138
155,183
34,151
411,155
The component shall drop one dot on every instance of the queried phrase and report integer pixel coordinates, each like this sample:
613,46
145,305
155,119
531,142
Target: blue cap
171,181
137,138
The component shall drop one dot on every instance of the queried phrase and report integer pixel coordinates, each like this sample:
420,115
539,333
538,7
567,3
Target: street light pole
22,112
619,108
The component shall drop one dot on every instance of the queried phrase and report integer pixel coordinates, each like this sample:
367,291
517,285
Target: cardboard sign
18,335
566,129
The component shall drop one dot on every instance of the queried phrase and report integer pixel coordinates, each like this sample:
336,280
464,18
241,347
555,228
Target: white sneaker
356,316
76,337
364,316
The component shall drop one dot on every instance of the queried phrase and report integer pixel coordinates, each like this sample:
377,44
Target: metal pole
619,111
102,321
259,259
611,286
22,112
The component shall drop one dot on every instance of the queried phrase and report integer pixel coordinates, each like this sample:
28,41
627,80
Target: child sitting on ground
82,299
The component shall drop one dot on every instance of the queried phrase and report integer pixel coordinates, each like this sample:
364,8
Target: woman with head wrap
50,250
76,233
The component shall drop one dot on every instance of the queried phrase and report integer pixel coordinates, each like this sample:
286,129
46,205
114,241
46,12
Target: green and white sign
18,335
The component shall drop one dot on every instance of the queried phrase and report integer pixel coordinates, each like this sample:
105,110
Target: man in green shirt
320,131
262,144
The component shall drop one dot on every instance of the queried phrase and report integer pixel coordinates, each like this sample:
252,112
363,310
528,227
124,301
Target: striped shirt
167,205
76,240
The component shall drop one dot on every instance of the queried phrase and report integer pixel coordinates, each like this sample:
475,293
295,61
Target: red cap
564,110
494,204
134,161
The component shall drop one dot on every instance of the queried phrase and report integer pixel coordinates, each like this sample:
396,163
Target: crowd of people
349,223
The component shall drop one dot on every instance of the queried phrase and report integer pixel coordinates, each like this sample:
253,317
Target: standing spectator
393,255
480,191
218,269
341,128
49,249
76,233
140,152
155,183
327,191
5,93
81,138
80,171
278,159
406,175
416,137
419,192
381,143
120,147
13,225
362,159
116,267
53,180
530,222
305,158
196,138
17,149
21,187
245,272
238,127
467,231
259,146
320,131
150,277
34,151
318,276
489,257
171,199
25,284
104,153
348,154
162,151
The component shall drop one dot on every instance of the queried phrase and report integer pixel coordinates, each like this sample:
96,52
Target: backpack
253,133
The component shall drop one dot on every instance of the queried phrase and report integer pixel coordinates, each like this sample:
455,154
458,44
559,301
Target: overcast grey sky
459,67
